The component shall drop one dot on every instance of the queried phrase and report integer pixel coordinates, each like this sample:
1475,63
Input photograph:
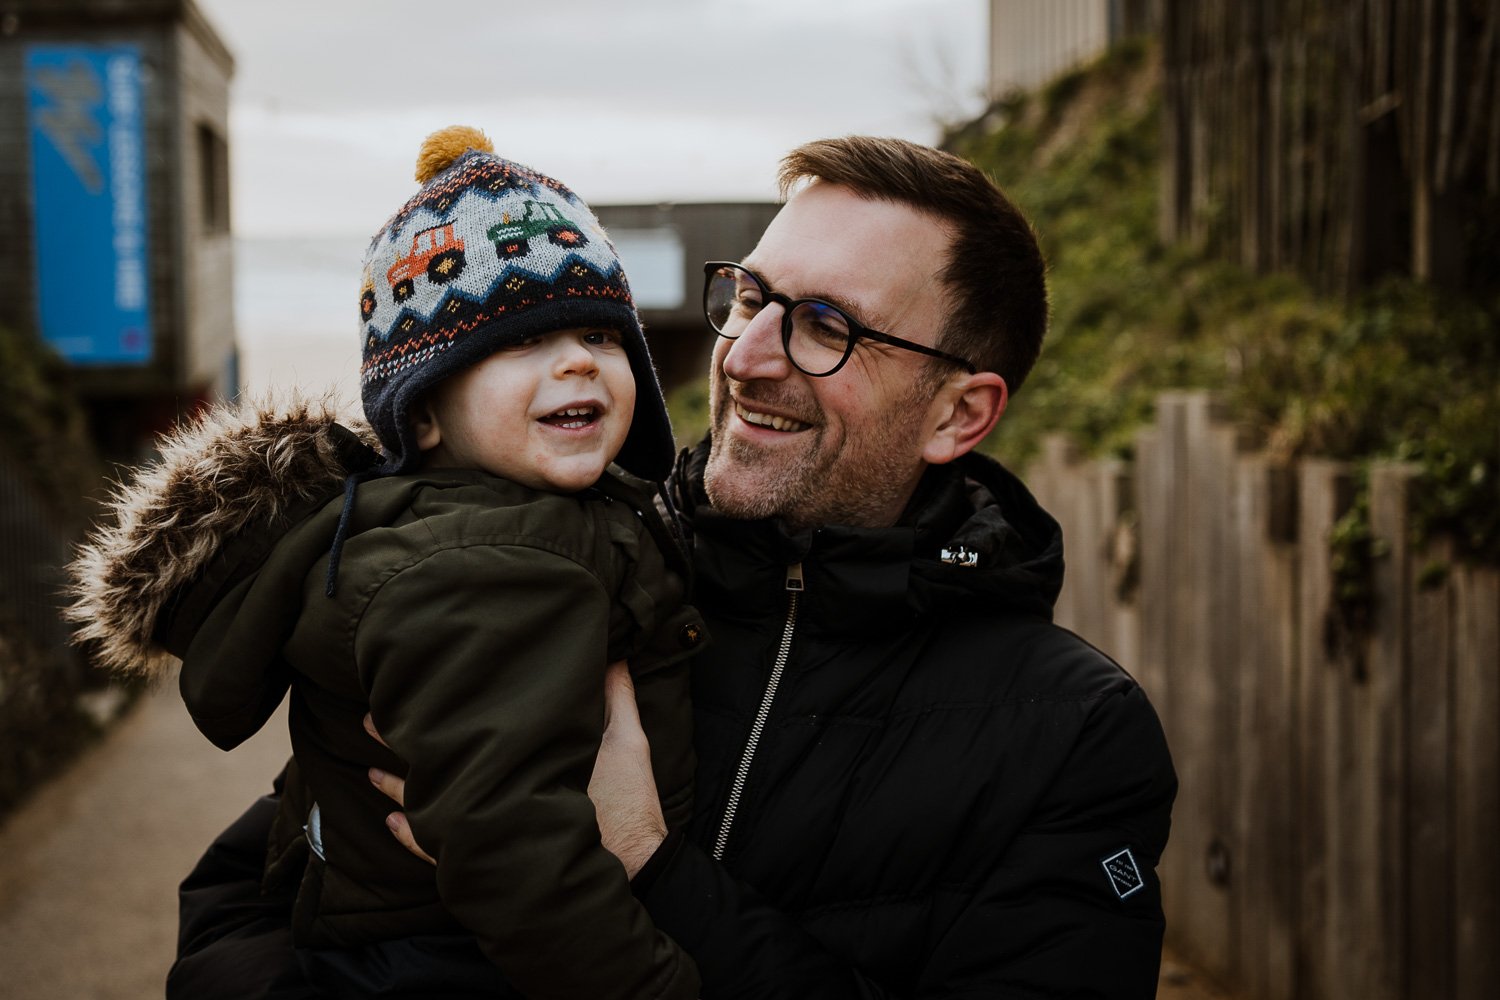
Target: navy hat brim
649,447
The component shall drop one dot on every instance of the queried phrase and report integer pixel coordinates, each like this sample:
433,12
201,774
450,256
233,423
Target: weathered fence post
1430,867
1325,493
1093,500
1266,828
1374,876
1476,774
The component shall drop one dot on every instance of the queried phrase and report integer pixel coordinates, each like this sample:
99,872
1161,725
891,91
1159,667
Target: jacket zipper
794,588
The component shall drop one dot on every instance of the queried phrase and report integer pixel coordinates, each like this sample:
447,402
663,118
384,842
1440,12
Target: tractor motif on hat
436,251
513,237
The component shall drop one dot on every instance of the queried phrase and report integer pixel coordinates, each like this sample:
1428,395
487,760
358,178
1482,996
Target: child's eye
600,337
522,344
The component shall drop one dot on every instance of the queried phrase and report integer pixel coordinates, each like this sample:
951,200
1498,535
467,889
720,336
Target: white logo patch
1123,873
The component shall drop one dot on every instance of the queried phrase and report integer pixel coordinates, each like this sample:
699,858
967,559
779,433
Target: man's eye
747,297
820,324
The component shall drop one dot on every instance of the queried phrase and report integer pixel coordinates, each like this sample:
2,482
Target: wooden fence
1344,138
1337,832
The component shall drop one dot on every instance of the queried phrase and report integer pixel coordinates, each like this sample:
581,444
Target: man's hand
623,788
395,788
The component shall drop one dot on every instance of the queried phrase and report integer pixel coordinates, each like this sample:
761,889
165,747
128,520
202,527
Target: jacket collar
972,536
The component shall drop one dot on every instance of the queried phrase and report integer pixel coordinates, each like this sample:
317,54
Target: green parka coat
473,618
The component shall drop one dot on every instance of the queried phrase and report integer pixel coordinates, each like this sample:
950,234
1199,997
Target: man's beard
858,480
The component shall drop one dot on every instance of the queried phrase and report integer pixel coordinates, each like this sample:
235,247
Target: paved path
89,867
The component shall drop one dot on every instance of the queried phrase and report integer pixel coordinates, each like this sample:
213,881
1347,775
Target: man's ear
962,413
424,423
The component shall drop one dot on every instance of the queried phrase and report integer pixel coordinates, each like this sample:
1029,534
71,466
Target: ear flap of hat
649,448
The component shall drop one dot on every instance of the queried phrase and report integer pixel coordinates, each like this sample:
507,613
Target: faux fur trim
231,467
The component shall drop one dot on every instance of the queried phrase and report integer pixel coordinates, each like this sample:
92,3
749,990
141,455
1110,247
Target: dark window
213,178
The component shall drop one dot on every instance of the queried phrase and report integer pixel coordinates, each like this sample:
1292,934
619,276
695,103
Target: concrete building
114,202
1033,41
664,248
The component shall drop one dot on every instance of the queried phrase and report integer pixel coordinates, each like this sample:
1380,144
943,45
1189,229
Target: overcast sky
623,100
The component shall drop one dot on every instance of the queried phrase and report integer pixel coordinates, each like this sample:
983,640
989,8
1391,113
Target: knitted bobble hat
486,254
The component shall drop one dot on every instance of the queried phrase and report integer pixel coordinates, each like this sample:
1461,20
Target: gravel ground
89,866
1181,982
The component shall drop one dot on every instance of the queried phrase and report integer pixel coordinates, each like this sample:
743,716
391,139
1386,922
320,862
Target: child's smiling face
550,412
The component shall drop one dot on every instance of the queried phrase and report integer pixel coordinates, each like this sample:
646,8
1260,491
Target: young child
466,586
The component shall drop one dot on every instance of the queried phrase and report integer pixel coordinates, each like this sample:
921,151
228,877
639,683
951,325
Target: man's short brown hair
994,274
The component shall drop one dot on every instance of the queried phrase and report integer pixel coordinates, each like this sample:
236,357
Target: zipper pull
794,577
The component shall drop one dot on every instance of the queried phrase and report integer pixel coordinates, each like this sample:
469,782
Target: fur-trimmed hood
235,467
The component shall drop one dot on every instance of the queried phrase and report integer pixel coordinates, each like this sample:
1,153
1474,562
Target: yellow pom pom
445,145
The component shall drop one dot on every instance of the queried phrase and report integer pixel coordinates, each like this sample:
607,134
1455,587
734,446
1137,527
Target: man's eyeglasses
817,337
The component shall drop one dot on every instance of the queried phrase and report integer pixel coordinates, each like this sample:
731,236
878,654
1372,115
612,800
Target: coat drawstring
351,484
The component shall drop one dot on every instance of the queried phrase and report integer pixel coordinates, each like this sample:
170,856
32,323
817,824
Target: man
910,782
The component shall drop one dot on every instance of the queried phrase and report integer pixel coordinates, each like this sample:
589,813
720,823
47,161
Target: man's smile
769,420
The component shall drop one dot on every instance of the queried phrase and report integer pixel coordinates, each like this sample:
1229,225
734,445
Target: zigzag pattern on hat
418,338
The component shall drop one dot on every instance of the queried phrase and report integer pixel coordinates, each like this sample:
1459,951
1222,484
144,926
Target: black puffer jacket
947,796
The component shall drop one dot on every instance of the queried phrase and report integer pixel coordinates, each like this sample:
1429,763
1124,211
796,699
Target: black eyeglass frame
787,304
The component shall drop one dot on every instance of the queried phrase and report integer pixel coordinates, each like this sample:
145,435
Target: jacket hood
255,464
972,535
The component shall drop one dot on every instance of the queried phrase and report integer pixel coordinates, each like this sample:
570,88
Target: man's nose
758,353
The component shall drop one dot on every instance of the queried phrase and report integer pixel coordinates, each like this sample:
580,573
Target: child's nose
575,358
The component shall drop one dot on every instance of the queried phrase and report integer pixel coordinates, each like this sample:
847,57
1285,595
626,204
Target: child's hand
395,788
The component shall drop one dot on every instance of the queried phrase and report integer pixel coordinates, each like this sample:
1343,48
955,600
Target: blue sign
88,171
